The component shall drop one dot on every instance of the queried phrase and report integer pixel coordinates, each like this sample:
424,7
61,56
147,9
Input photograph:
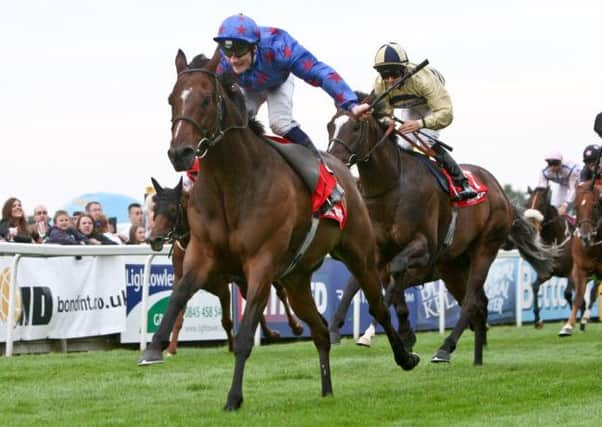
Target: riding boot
450,165
297,136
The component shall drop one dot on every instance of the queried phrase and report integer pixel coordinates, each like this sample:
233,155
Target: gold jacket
425,93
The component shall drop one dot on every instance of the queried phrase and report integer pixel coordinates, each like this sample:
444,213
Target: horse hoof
298,330
582,327
233,404
442,356
364,341
413,361
151,357
335,338
538,324
566,331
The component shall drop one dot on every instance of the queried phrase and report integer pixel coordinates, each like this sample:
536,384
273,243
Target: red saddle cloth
326,183
480,188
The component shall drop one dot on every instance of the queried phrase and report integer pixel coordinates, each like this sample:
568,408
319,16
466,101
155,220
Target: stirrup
335,196
466,193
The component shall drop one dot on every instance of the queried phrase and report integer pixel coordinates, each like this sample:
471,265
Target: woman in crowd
62,232
85,225
13,226
137,235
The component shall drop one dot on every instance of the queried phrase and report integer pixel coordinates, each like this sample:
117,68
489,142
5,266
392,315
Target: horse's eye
205,102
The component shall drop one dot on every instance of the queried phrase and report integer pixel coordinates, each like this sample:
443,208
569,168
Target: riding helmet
554,155
591,153
238,27
390,55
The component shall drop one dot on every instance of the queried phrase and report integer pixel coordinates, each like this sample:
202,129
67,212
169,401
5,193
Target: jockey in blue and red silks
263,59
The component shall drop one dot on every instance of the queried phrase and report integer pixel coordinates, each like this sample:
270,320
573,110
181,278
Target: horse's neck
382,170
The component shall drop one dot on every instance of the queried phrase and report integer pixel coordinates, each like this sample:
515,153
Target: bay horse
413,220
554,230
249,214
170,225
587,246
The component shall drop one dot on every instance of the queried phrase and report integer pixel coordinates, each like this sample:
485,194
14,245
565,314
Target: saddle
447,185
314,174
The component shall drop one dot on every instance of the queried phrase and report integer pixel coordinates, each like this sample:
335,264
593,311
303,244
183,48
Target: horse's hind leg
293,323
537,322
338,319
357,260
302,302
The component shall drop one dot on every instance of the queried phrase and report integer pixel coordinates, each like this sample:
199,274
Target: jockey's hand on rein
410,126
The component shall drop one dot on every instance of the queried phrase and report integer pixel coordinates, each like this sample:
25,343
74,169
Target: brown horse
556,231
249,214
170,225
587,246
414,222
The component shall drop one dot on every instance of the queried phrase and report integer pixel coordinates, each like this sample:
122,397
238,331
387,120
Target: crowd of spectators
88,227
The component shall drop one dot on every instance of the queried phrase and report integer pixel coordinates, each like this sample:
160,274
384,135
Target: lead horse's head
201,109
587,205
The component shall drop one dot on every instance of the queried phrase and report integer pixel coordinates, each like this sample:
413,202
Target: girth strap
315,220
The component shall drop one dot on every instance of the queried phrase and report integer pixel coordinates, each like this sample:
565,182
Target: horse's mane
229,82
378,110
198,61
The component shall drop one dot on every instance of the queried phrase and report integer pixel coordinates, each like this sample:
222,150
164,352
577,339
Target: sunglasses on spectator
390,72
41,213
235,48
553,162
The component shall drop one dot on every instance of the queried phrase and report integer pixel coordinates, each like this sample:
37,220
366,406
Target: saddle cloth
315,175
447,184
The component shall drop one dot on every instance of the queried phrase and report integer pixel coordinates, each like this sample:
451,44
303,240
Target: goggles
235,48
553,162
387,73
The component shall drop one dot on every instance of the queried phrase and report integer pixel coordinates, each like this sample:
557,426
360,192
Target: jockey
563,172
263,59
424,103
591,157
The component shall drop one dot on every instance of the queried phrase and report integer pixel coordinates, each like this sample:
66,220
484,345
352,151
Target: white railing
20,250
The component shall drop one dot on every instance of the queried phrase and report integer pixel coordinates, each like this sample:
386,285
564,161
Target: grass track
529,378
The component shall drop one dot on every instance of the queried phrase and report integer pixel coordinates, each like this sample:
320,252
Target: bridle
211,136
179,233
594,220
355,158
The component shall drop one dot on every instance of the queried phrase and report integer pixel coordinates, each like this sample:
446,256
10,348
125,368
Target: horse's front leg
258,292
177,301
537,322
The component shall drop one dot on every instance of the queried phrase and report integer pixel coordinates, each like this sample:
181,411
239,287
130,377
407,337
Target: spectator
62,232
148,208
85,225
13,226
94,209
136,217
75,216
102,226
41,223
137,235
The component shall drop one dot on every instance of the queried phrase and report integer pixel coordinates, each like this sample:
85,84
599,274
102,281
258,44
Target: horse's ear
179,186
158,188
214,61
180,61
529,190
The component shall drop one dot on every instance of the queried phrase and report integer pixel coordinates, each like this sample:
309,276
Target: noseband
210,137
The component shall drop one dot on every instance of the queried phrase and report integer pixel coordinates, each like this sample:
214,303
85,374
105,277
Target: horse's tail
523,236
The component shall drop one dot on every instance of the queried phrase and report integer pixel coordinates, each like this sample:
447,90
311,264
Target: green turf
529,378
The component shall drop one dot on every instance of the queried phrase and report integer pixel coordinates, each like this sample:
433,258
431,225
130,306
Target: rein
209,137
